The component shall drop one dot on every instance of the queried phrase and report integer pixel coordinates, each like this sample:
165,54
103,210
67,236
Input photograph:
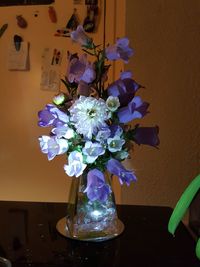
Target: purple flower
124,88
147,136
81,37
120,50
103,134
52,146
126,75
96,188
79,69
116,130
116,168
136,109
92,151
51,115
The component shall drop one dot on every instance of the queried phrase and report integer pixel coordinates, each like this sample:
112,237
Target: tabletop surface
28,237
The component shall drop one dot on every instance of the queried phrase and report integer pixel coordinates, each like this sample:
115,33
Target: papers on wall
18,59
50,75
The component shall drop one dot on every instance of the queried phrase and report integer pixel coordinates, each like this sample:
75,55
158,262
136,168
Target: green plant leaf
197,250
183,204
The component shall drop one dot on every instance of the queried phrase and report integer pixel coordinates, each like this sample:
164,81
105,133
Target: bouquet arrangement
90,120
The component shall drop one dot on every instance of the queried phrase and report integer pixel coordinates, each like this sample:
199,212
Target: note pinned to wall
18,59
50,71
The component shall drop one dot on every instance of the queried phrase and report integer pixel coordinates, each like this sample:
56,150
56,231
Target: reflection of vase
89,220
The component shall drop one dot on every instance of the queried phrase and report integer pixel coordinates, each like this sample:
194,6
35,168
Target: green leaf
183,204
197,250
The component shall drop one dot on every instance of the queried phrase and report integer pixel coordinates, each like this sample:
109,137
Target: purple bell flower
81,37
126,75
116,168
116,130
96,188
120,50
147,136
136,109
53,146
103,135
124,88
92,151
79,69
51,116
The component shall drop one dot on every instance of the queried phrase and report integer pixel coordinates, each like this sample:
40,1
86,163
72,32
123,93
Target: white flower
75,165
112,103
115,144
88,115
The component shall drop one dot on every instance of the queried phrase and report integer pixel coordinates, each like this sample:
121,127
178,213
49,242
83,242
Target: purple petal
81,37
123,42
115,130
51,116
116,168
80,69
45,118
89,74
147,136
124,89
120,50
136,110
126,75
111,52
103,134
96,188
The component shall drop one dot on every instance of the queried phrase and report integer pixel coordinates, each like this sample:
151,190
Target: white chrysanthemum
88,114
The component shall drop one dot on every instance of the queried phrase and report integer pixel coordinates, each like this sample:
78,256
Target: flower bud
59,99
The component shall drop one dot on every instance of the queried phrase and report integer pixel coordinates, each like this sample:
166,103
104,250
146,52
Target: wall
25,173
166,39
165,36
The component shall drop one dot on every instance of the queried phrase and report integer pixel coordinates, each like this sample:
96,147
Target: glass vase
90,220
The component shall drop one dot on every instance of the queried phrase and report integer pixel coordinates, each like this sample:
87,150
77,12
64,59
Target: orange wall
25,173
165,36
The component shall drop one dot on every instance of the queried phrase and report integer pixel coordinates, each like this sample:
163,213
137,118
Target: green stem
86,51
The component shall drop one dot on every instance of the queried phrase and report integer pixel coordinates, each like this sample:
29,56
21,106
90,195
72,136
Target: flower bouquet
90,125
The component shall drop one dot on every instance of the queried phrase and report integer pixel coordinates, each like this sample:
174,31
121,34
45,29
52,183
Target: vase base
62,228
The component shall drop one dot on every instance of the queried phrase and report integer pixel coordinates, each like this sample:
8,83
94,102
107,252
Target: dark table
28,237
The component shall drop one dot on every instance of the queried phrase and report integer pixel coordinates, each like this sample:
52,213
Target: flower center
91,113
113,144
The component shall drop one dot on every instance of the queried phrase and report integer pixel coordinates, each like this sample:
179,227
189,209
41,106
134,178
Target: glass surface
28,238
4,262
